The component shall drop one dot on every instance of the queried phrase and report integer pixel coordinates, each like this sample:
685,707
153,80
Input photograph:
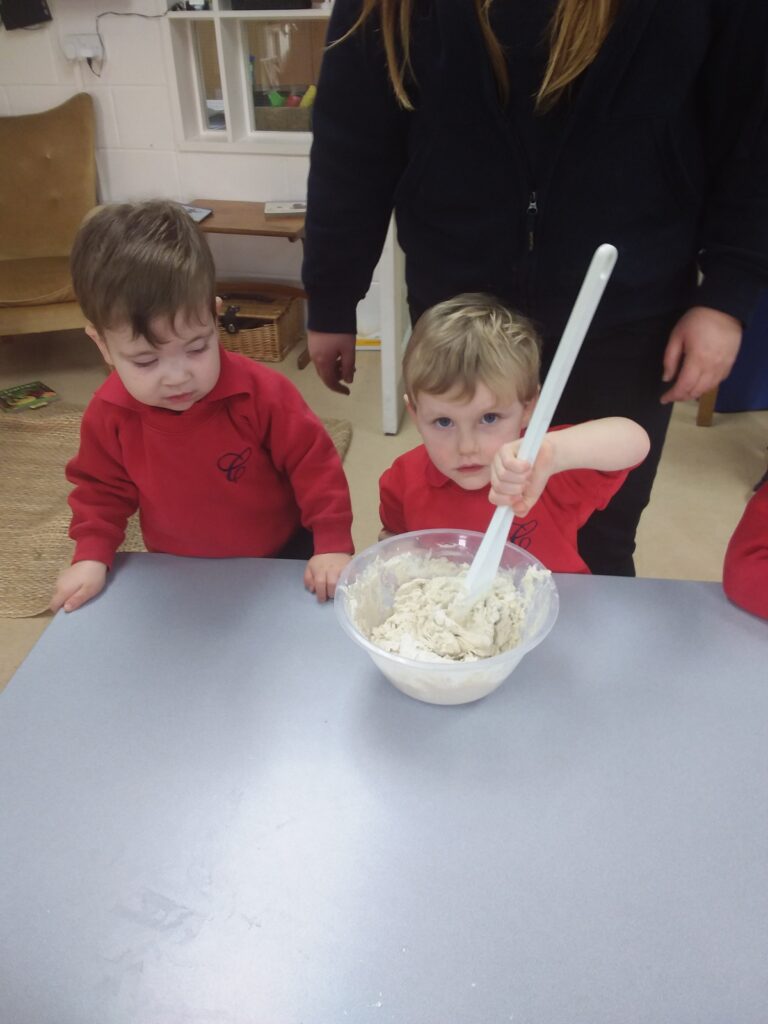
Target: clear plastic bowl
438,682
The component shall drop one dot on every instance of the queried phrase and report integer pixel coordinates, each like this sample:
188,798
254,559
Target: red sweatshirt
234,475
745,572
415,495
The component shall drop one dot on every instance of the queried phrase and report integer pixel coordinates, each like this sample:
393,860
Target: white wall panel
143,116
107,135
131,174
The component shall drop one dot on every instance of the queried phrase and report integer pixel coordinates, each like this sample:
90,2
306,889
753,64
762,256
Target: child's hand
78,584
515,482
322,574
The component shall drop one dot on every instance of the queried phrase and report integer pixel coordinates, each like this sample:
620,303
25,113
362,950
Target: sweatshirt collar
434,477
232,381
437,479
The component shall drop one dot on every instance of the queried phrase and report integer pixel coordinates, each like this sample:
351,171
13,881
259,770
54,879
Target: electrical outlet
85,47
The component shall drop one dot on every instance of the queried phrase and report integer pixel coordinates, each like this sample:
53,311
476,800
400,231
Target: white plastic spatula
485,564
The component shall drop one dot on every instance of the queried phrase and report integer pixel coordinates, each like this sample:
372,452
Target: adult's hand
334,358
701,350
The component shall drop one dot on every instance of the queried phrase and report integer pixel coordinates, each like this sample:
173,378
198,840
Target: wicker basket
271,341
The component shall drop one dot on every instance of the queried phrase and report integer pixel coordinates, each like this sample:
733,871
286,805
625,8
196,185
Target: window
246,79
211,95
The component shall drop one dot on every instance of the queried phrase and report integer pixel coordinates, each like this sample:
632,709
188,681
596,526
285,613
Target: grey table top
214,809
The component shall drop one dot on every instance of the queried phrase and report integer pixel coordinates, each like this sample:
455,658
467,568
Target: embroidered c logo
232,464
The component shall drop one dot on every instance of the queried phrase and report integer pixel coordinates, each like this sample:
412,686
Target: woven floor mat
35,445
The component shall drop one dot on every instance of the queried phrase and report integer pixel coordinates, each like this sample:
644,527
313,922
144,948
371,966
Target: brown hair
469,340
576,33
132,262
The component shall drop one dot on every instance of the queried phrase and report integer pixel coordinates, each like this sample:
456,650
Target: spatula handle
485,564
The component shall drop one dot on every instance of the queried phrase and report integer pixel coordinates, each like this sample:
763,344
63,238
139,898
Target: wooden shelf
231,217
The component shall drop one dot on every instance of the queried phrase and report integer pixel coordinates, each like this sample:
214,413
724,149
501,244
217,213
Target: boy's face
462,437
175,374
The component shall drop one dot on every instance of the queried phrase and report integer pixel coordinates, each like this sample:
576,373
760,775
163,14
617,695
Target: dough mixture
428,621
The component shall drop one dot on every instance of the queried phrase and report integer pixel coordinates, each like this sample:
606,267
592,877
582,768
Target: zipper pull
531,211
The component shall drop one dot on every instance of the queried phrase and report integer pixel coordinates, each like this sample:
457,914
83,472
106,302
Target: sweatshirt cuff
94,549
332,537
332,314
732,291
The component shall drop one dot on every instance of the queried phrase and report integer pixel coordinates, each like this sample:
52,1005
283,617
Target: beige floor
705,477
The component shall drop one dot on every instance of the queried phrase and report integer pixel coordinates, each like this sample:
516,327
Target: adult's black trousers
618,373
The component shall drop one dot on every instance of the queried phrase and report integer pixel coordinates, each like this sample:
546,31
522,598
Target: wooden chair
706,409
47,185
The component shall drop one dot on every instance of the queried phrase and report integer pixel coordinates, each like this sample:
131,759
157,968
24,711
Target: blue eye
443,421
489,418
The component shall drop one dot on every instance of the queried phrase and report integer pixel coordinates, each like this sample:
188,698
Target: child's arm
391,513
745,571
103,497
102,500
78,584
322,574
608,444
302,449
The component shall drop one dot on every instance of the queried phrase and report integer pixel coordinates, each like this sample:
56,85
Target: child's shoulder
239,366
414,460
756,510
760,497
412,466
109,399
254,376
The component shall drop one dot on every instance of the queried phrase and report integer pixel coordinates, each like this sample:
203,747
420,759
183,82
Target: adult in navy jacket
511,139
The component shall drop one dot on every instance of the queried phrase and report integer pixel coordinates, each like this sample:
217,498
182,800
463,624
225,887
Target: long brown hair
576,33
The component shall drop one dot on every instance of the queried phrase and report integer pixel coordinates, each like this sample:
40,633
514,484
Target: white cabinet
246,79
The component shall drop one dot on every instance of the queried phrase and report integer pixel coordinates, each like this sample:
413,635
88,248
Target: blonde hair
133,262
469,340
576,33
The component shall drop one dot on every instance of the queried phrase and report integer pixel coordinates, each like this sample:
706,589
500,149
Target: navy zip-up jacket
664,153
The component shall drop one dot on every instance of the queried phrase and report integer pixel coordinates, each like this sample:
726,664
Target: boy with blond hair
471,374
222,456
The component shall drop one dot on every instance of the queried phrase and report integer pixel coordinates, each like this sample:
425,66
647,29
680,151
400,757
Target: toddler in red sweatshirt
221,456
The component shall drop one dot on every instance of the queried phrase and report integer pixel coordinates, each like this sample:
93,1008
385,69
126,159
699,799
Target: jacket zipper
531,210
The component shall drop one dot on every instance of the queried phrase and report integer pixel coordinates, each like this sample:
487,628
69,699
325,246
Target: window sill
265,143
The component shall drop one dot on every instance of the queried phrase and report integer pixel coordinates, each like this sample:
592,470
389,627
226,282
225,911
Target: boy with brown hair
471,374
222,456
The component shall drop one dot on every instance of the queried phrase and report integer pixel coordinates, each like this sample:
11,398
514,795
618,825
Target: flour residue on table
428,619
